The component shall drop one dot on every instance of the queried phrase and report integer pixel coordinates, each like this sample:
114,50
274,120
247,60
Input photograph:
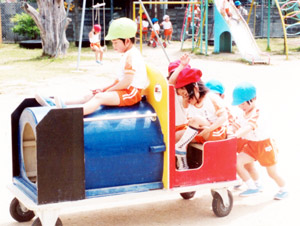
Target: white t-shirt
132,62
180,111
258,121
156,27
95,38
145,24
212,106
167,25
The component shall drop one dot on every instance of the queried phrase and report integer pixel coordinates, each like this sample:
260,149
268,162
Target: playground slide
242,36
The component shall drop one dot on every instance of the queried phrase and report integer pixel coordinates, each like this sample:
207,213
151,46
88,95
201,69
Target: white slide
242,35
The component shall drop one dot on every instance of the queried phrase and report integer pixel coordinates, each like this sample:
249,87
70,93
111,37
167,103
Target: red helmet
97,28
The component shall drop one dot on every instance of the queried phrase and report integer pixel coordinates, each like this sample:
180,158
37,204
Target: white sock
250,183
186,138
258,183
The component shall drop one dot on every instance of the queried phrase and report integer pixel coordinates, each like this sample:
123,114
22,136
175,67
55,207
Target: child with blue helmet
240,8
217,87
254,141
156,28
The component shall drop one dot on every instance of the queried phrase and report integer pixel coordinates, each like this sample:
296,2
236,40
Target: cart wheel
164,44
154,44
218,207
188,195
37,222
19,212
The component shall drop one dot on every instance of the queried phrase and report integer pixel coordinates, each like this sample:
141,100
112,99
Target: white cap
165,17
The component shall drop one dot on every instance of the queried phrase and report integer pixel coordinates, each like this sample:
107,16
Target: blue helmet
154,20
215,86
244,91
237,3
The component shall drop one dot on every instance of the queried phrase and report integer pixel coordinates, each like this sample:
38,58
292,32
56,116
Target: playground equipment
63,161
225,27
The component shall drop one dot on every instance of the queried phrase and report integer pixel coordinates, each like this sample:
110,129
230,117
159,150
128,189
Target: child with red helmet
94,38
207,113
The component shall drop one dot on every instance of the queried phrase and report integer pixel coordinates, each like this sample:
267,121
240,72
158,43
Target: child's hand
185,59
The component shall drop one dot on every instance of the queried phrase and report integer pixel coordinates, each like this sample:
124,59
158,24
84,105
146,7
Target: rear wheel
188,195
19,212
218,206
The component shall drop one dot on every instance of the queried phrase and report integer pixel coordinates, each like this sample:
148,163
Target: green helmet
121,28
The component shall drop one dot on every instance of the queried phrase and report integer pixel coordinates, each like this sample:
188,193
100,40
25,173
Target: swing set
95,17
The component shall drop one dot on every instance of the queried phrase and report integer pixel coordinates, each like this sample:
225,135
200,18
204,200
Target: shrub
25,26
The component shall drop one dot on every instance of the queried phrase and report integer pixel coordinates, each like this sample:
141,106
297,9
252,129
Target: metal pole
269,22
149,19
81,31
206,26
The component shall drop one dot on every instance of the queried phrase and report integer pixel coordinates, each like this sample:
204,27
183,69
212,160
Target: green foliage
25,26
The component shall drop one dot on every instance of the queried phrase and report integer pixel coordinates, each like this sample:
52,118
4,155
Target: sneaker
59,103
237,187
249,192
181,163
99,62
44,101
281,195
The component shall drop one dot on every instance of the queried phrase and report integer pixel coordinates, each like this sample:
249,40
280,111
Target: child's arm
184,60
243,131
122,84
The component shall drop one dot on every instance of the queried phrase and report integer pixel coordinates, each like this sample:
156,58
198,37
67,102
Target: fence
8,10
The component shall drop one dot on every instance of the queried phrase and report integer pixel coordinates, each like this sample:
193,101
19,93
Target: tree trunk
52,22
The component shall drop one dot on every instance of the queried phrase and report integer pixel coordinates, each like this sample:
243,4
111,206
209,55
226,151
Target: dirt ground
277,86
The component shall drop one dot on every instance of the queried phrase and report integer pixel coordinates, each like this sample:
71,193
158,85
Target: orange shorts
153,36
217,134
265,151
167,32
181,127
97,44
129,96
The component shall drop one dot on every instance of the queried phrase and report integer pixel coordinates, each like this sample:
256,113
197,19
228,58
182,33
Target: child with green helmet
132,75
254,142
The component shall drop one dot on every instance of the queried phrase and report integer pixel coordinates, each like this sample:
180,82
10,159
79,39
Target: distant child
168,28
156,29
127,90
225,11
217,87
94,38
241,9
207,117
145,25
254,142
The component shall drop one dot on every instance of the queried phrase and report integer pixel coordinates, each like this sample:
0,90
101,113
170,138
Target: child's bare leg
272,172
79,99
242,160
198,122
252,171
106,98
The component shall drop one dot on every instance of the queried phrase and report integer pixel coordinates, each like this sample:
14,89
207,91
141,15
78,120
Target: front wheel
37,222
188,195
19,212
218,206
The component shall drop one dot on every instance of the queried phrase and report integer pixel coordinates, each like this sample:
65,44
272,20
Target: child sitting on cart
254,142
125,91
207,112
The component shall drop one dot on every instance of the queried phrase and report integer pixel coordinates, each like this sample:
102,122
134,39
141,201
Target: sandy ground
277,86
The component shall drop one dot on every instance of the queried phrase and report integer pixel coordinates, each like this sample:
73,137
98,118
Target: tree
52,23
